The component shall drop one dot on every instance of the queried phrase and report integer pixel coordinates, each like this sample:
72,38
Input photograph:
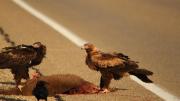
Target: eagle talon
104,91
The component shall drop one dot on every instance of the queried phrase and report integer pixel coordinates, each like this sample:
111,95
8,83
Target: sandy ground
64,57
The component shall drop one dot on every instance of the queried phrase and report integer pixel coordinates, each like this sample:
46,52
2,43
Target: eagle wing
11,57
105,60
121,55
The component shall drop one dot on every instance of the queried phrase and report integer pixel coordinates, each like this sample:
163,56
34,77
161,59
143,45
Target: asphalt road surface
146,30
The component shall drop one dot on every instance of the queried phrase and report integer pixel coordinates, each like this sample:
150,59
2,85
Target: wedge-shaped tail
142,74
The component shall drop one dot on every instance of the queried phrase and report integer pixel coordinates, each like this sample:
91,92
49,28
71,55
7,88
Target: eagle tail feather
142,74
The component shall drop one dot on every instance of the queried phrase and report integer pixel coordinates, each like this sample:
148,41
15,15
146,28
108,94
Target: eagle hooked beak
82,47
36,46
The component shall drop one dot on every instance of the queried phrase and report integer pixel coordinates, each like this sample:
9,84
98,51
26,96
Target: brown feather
142,74
105,60
17,57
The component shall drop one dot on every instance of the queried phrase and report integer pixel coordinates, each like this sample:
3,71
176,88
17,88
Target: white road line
79,42
59,28
156,90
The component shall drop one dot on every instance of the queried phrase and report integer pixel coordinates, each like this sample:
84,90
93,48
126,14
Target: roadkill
56,84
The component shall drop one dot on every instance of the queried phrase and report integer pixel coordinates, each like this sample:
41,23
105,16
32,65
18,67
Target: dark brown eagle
113,66
20,58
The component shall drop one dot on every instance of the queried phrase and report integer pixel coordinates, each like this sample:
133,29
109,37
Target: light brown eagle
113,66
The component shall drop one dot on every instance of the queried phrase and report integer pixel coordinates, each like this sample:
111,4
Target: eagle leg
17,80
105,82
26,74
19,74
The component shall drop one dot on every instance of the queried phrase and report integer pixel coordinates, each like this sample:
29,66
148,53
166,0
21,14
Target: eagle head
89,47
40,46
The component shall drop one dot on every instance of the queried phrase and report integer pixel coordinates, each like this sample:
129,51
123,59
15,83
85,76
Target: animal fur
20,58
113,65
56,84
